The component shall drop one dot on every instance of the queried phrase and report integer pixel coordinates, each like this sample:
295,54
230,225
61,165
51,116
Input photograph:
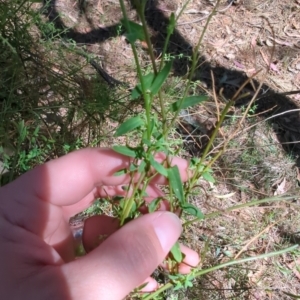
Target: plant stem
146,95
224,265
141,13
199,172
195,59
248,204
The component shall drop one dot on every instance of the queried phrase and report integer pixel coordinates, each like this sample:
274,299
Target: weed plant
152,128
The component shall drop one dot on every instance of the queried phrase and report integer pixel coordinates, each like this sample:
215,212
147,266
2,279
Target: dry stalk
255,238
215,95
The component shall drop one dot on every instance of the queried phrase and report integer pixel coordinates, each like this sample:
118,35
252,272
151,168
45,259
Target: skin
37,253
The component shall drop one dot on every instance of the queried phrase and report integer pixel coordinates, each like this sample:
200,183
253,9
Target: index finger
43,199
68,179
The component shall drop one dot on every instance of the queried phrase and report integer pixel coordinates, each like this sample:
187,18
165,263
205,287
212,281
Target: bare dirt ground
244,37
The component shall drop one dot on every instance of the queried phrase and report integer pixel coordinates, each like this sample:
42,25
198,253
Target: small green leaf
134,31
133,167
187,284
178,286
129,125
190,209
208,177
160,78
173,277
121,172
142,286
176,252
158,167
137,91
176,183
154,204
189,101
142,167
125,151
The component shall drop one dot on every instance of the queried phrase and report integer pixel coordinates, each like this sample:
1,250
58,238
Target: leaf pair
151,83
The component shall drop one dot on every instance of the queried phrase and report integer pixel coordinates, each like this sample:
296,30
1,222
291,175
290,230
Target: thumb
124,260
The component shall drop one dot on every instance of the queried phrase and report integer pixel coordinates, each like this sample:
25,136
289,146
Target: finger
153,192
191,260
67,180
97,229
34,200
149,285
127,258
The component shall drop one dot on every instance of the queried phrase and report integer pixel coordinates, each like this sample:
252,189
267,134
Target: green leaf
173,277
187,284
142,286
189,101
178,286
125,151
158,167
176,253
129,125
161,78
133,167
148,80
121,172
137,91
154,204
134,31
176,183
190,209
208,177
142,167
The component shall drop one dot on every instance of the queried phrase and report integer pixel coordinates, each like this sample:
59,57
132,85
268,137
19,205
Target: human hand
37,255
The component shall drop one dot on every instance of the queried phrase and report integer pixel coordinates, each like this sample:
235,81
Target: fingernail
167,227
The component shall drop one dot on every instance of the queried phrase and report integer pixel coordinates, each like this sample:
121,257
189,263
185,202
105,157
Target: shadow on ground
269,102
